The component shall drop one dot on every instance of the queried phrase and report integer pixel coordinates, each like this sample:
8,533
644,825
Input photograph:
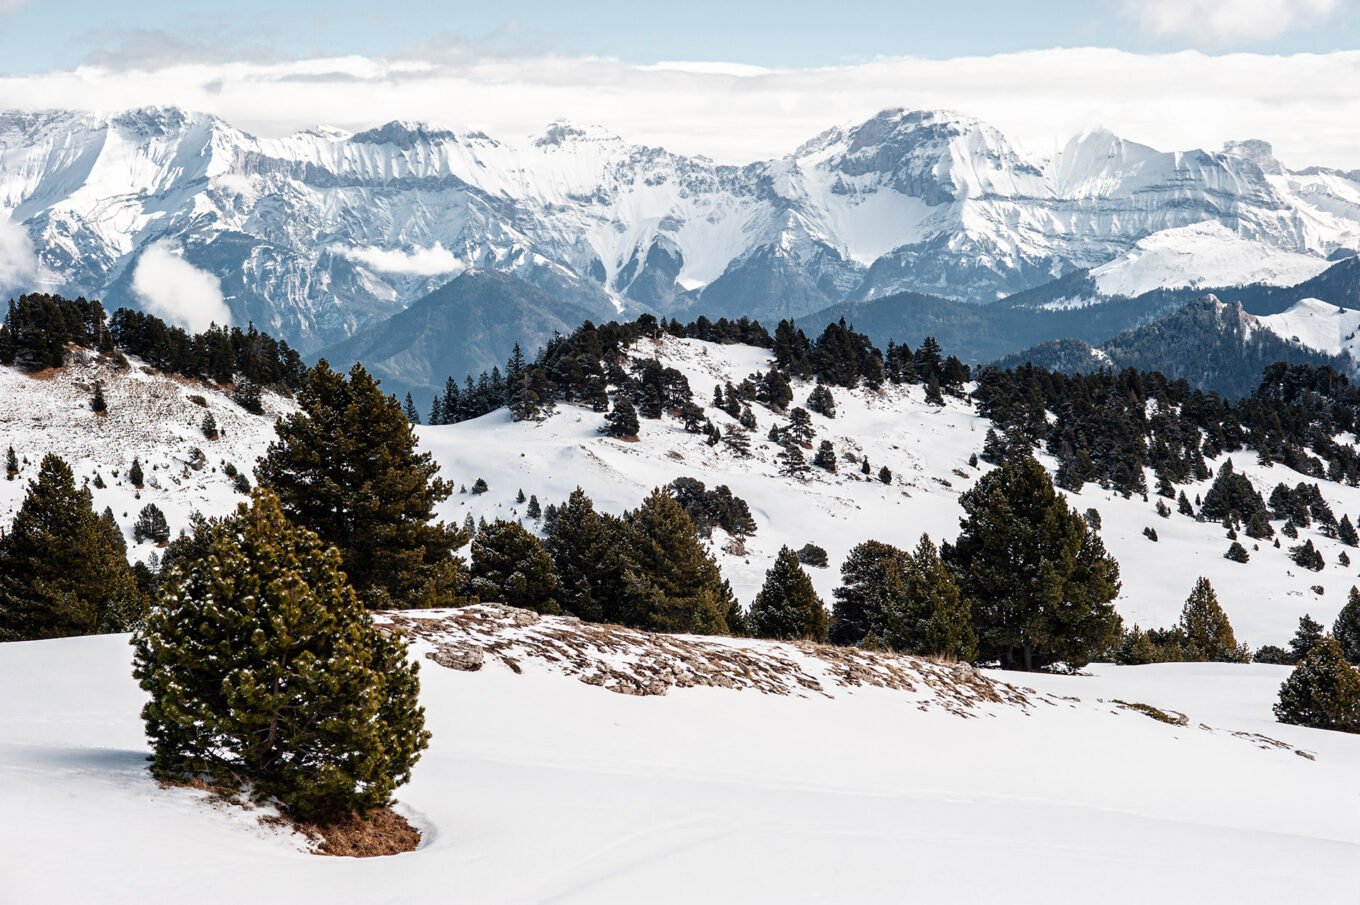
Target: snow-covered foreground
541,788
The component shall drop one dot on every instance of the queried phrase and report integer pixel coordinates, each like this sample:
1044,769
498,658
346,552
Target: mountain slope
464,327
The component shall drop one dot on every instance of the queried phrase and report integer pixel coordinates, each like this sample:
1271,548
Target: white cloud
1227,21
175,290
421,262
9,6
18,264
1306,105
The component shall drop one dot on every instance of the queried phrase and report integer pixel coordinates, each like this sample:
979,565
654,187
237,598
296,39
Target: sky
737,81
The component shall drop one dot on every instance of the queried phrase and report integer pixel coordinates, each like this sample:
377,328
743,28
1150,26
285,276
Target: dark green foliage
1322,692
822,402
479,486
773,389
408,409
1183,505
1137,649
264,669
864,465
873,585
825,458
812,555
738,441
589,556
1237,553
716,508
519,495
1346,533
346,467
11,465
151,525
1307,637
885,475
622,421
1204,627
247,396
219,354
510,565
934,396
1163,509
98,404
240,483
787,607
210,426
534,511
1151,534
791,462
1272,654
63,569
673,584
1232,496
1039,579
37,328
135,474
1346,629
800,429
1092,517
1307,556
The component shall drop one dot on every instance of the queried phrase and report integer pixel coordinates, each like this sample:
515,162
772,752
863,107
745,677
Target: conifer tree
1136,649
1346,533
933,619
479,486
673,583
151,525
1040,580
1323,691
873,584
519,495
1183,505
264,669
11,465
534,511
826,457
346,467
622,421
409,410
738,441
135,475
589,558
885,475
1237,553
800,429
791,462
864,465
1207,634
1307,556
787,607
1307,637
1346,629
97,403
209,426
63,569
934,396
509,565
821,401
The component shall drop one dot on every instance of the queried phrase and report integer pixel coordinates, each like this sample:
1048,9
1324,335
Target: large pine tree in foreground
346,467
1038,576
1323,691
509,565
1204,628
673,584
63,569
266,672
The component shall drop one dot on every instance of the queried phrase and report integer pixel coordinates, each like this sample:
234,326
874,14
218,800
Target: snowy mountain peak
403,134
562,133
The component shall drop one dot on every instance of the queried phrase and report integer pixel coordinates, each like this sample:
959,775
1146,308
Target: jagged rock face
317,234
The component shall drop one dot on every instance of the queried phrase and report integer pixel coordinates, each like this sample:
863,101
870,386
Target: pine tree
933,618
510,565
622,422
885,475
135,475
534,511
97,403
1040,580
1346,533
63,569
1308,636
1322,692
738,441
209,426
787,607
800,429
1307,556
264,669
589,557
479,486
519,495
409,410
673,583
11,465
1237,553
1346,629
791,462
1207,633
873,584
864,465
346,467
826,457
1183,505
822,401
1136,649
933,394
151,525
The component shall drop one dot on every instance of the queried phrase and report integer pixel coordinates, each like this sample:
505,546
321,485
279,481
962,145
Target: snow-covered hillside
1318,325
927,450
152,416
1206,254
316,234
541,787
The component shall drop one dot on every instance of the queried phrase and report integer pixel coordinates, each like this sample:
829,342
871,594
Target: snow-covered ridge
1317,325
304,230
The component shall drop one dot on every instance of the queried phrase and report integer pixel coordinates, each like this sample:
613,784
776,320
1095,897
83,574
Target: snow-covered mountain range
314,235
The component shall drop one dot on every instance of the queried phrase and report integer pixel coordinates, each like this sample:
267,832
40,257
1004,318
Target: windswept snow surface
1205,254
540,788
1318,325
